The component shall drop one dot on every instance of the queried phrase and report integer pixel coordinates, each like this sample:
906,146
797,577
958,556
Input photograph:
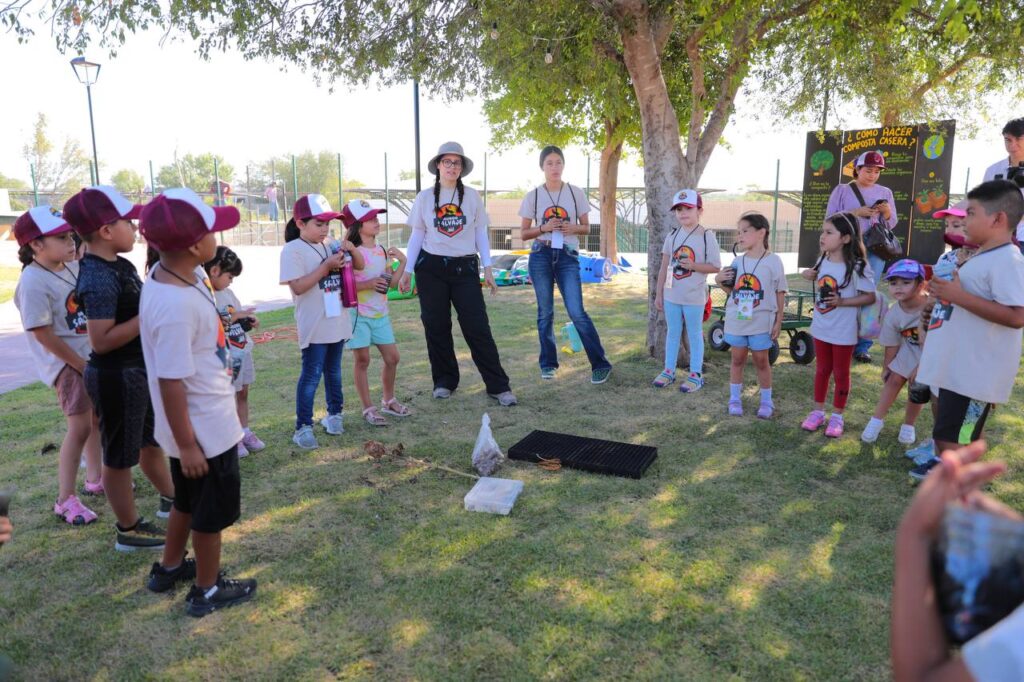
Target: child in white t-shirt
977,320
311,266
844,283
371,324
756,286
222,271
901,339
57,336
189,376
693,254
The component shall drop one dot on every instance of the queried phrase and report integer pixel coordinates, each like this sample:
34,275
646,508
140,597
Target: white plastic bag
487,456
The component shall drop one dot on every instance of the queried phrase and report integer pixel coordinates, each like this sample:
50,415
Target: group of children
971,307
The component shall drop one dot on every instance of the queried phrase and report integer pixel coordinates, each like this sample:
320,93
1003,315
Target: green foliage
128,181
59,171
195,171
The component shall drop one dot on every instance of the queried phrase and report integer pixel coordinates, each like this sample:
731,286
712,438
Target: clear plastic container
493,495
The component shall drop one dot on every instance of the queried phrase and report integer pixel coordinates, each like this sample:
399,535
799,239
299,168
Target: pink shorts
71,392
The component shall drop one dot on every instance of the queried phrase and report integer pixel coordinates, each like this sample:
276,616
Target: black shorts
121,398
214,501
918,393
960,419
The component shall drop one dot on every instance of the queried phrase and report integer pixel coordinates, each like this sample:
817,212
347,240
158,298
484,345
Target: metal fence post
387,199
152,180
341,186
35,185
775,208
295,178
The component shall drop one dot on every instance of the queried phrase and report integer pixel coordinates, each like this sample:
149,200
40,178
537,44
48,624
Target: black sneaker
161,579
164,510
862,357
919,472
145,535
222,595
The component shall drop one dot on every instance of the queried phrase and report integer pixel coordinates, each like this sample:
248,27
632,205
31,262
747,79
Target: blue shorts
370,330
753,341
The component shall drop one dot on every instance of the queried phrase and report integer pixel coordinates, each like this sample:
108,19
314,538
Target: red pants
832,360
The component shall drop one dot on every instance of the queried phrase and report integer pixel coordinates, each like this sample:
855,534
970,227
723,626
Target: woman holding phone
554,216
871,203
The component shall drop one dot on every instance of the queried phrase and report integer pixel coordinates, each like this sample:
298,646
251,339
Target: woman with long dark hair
448,244
554,216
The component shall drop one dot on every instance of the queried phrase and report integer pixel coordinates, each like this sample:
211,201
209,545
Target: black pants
443,281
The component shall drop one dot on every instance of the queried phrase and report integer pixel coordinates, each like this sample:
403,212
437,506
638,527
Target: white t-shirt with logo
47,299
900,329
315,318
540,205
751,307
838,325
970,355
228,304
682,286
183,338
456,228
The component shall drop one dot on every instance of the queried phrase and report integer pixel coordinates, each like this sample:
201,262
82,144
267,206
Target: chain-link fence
264,194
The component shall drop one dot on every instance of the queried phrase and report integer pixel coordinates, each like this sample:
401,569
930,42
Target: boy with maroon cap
115,376
190,380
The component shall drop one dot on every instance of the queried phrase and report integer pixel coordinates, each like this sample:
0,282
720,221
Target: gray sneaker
332,424
304,437
442,393
506,399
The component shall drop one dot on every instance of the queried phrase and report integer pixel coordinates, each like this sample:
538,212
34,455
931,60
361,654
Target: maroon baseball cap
94,207
358,211
40,221
870,159
314,206
177,219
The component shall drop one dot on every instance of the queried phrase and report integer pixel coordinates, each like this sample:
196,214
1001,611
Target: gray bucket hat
451,148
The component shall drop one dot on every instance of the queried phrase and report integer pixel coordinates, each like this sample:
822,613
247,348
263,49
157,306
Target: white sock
836,415
766,395
734,391
246,431
874,423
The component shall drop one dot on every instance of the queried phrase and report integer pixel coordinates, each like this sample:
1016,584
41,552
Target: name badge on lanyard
331,285
745,304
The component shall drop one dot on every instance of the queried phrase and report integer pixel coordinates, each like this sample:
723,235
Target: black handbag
878,239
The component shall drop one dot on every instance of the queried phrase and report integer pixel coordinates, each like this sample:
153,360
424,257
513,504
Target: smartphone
5,501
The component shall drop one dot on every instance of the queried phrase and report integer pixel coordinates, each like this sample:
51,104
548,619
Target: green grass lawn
8,281
750,550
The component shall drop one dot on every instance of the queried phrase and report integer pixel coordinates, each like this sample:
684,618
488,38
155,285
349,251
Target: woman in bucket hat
871,203
448,244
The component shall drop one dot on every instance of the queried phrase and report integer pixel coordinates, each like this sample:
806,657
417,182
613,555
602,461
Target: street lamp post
87,73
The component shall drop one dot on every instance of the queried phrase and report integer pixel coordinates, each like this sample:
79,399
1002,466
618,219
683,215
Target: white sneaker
242,450
333,425
304,437
871,431
908,435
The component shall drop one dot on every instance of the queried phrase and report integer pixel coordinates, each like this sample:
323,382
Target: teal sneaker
547,373
599,376
923,452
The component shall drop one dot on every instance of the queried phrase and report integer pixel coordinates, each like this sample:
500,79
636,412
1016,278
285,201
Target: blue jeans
548,267
675,314
877,266
319,359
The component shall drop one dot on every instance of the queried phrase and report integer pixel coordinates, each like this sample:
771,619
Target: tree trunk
608,183
665,170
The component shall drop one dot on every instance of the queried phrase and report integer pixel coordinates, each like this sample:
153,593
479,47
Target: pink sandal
93,489
74,512
394,408
373,418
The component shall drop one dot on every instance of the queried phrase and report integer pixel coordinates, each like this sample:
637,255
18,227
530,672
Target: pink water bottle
349,298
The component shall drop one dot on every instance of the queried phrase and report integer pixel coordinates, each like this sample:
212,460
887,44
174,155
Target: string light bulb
494,31
548,57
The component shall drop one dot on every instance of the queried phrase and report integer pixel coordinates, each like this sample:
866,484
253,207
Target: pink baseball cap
358,211
41,221
870,159
688,198
177,219
94,207
313,206
959,210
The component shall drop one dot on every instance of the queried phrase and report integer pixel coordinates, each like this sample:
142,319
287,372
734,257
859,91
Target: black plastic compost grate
587,454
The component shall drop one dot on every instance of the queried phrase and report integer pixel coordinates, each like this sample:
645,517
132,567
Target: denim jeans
877,266
693,316
562,266
319,359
